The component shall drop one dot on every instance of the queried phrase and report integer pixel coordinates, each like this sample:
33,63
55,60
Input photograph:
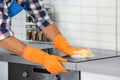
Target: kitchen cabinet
94,76
3,70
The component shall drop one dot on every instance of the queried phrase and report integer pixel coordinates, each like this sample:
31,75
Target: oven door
28,72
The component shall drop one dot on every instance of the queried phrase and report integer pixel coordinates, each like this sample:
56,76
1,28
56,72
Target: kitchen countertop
105,66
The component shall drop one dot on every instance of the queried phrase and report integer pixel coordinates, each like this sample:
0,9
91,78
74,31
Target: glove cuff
61,44
34,55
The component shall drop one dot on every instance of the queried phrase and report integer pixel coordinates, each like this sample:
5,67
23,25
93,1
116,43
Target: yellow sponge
82,54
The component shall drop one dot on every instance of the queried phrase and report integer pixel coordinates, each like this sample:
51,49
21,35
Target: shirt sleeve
36,10
5,22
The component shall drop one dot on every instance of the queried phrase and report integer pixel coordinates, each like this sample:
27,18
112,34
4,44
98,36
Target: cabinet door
95,76
3,70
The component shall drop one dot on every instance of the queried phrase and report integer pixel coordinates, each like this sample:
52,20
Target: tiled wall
90,23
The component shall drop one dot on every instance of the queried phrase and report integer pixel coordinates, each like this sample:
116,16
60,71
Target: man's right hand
50,62
53,65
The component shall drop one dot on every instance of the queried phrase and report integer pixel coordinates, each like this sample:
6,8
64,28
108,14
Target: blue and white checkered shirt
35,9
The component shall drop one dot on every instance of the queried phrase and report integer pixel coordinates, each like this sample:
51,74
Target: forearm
16,46
60,42
13,45
50,62
51,31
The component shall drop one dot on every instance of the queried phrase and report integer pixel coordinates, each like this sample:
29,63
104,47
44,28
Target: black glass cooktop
98,54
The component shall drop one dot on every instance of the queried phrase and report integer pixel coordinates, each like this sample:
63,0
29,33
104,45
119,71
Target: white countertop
106,66
110,66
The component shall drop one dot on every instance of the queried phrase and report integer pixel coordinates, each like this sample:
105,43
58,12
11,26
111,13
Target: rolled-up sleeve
34,8
5,22
38,13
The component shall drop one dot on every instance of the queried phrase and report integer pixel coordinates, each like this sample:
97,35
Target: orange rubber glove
50,62
61,44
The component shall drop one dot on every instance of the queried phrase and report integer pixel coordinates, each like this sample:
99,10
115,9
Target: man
38,13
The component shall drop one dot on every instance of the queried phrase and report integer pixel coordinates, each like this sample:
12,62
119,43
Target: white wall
90,23
118,22
3,70
19,25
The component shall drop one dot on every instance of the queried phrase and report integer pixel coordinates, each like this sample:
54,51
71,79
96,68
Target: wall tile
118,38
89,19
74,26
107,37
107,20
118,21
72,2
73,18
74,34
107,3
92,3
58,2
119,47
75,42
90,11
61,25
90,36
110,29
60,17
107,45
73,10
107,12
89,27
90,44
118,3
59,9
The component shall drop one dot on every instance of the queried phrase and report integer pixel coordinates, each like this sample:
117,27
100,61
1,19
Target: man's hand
61,44
50,62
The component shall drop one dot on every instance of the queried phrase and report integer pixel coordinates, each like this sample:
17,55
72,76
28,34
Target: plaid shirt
35,9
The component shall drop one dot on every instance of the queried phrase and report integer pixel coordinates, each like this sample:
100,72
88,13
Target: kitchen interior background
87,23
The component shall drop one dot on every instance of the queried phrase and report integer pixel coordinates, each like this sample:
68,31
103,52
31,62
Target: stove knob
25,74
